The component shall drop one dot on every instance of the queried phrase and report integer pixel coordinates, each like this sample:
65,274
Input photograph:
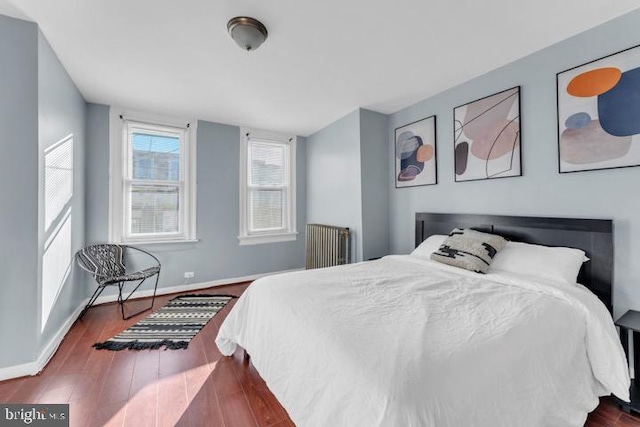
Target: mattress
405,341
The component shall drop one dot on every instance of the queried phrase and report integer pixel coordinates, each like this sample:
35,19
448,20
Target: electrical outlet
188,274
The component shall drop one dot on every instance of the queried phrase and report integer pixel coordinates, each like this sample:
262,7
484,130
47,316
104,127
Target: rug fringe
137,345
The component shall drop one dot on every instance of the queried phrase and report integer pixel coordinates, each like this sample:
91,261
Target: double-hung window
153,197
267,187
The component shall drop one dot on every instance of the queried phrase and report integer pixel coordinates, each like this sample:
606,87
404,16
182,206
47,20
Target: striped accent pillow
469,249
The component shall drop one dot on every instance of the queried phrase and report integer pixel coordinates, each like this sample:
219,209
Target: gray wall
18,190
348,173
217,254
61,112
375,194
39,106
334,182
97,173
541,190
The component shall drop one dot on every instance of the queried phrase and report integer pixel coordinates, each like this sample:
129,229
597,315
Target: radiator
327,246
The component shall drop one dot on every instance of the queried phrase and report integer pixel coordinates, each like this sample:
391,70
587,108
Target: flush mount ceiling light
247,32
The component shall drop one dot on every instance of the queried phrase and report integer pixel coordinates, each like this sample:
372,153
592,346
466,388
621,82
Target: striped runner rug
173,326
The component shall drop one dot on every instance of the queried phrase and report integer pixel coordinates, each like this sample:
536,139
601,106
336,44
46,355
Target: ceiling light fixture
248,33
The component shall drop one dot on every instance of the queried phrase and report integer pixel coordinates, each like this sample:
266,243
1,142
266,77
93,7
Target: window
267,188
153,194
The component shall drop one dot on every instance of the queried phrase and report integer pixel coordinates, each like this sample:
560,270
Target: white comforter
405,341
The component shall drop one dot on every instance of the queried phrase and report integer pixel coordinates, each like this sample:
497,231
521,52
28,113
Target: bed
406,341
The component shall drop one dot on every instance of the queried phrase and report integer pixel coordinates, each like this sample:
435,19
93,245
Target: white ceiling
322,60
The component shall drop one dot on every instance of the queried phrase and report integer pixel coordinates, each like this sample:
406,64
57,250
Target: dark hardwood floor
193,387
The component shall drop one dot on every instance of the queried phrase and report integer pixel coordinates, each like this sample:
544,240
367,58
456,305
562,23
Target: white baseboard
104,299
18,371
33,368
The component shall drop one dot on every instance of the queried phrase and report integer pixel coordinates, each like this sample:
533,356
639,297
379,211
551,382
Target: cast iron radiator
327,246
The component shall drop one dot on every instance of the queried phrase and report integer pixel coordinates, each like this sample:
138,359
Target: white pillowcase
429,246
553,263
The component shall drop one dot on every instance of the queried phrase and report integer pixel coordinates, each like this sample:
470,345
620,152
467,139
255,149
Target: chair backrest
103,260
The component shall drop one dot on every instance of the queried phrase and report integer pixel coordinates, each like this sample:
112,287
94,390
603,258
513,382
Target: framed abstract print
599,113
487,137
415,149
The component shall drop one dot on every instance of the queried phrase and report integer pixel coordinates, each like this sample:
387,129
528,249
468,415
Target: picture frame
416,154
598,105
487,137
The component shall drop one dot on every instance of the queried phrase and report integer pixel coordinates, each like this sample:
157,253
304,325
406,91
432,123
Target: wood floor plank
283,423
79,355
109,414
626,420
81,414
142,407
224,378
600,420
196,376
94,375
203,409
57,395
145,371
609,409
207,341
65,348
236,411
118,381
29,391
172,401
9,388
266,409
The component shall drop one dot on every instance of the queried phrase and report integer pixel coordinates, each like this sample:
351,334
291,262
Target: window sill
158,242
258,239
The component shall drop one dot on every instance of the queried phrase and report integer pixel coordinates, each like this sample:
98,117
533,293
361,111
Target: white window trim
118,160
289,232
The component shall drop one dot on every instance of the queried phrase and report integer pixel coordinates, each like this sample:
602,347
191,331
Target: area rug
172,327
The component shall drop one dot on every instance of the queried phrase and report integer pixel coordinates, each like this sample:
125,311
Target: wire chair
106,263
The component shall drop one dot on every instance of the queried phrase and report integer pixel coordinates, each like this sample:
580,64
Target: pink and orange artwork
415,146
599,114
487,137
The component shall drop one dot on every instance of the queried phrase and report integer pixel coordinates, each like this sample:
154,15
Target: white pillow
429,246
555,263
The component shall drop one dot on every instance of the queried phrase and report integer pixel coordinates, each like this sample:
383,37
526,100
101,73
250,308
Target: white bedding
405,341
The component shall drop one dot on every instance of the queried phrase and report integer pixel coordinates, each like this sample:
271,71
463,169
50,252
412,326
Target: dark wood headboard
594,236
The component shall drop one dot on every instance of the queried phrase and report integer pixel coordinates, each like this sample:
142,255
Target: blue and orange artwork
416,153
487,137
599,113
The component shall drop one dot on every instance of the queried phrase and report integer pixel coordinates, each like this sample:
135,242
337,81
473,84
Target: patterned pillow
469,249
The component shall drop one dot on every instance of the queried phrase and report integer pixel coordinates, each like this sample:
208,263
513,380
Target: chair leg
155,289
93,299
124,300
120,301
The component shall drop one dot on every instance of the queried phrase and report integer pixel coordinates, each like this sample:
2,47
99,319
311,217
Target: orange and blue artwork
487,137
599,114
415,146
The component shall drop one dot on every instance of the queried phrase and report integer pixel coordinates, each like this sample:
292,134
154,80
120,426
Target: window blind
155,185
267,185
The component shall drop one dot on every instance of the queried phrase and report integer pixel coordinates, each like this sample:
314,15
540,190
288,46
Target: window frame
123,125
289,231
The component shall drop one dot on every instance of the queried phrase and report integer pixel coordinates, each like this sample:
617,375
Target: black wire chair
106,263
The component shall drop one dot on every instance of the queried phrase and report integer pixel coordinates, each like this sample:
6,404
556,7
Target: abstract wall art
416,153
487,137
599,113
